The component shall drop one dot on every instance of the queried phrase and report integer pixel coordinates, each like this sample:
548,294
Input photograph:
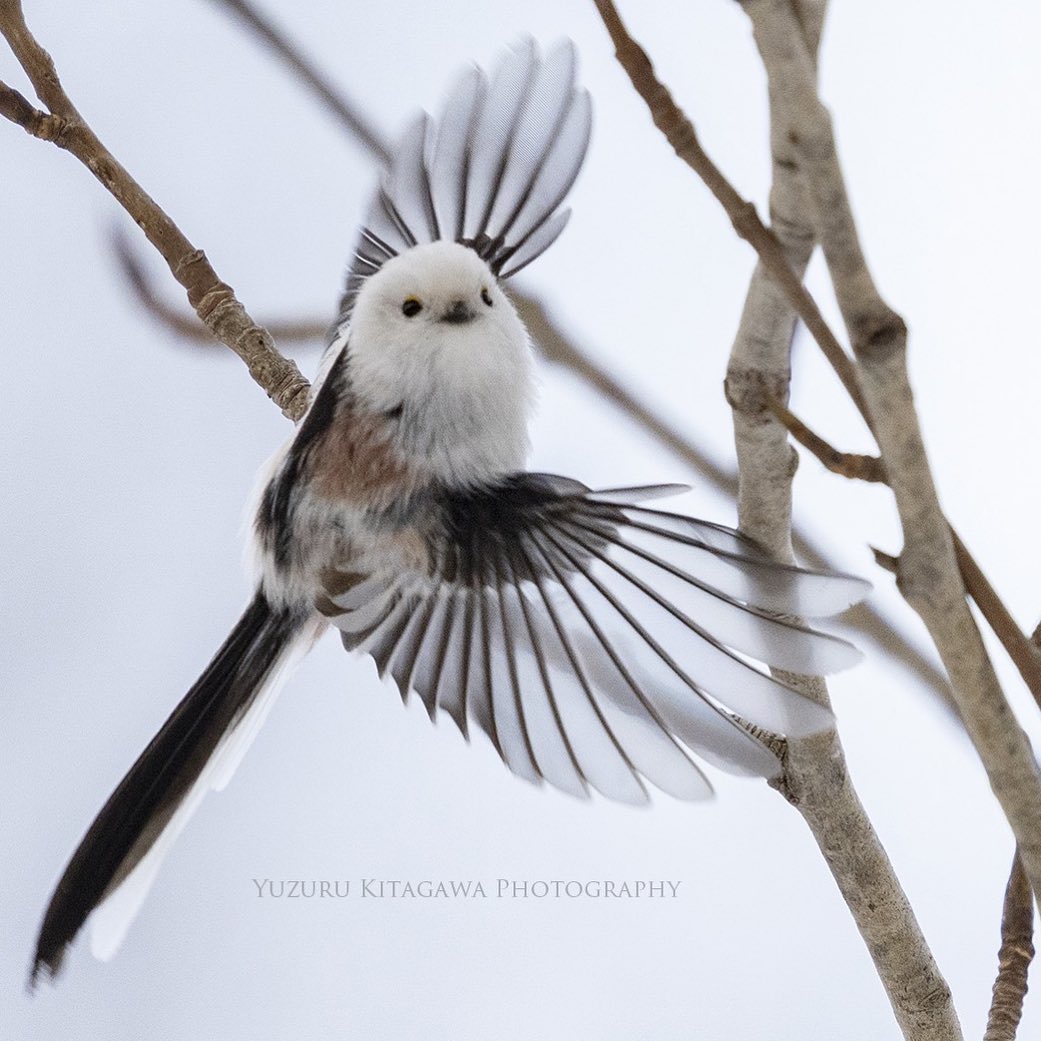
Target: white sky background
128,457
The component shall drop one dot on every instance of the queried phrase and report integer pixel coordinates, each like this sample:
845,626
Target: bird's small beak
458,313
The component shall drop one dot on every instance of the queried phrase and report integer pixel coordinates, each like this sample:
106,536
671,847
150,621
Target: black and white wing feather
596,640
491,173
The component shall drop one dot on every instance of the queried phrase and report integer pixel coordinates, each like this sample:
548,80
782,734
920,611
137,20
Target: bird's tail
196,749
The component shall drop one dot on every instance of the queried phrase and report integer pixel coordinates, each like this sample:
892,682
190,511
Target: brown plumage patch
324,606
336,582
354,461
414,550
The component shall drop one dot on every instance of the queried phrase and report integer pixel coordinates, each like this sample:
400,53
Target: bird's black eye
411,307
486,296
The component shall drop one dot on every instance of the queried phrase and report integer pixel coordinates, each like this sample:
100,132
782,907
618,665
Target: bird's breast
358,461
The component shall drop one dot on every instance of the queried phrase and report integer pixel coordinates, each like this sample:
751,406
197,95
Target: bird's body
593,639
409,408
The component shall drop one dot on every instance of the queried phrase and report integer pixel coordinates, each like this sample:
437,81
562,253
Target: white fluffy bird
594,639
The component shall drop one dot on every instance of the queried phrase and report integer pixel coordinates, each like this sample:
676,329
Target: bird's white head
432,336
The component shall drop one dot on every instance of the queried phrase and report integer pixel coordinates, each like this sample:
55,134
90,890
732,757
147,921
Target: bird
601,643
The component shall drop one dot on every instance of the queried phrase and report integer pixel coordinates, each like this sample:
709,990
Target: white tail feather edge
111,919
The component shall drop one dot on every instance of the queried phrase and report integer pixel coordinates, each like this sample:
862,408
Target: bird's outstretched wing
491,173
594,639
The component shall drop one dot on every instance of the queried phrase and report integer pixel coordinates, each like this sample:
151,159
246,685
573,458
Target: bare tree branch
213,300
886,561
929,576
1014,957
1021,649
851,465
680,133
1024,652
184,323
815,777
344,110
13,106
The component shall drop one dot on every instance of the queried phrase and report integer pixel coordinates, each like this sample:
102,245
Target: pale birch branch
815,777
929,576
213,300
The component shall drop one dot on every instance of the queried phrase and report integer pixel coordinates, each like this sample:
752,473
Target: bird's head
430,286
432,333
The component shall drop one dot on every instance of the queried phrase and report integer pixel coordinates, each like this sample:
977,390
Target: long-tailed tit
593,638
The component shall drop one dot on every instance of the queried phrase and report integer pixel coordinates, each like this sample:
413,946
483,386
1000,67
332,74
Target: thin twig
556,347
1017,947
886,561
1024,652
17,109
1014,957
680,133
852,465
1021,649
340,106
186,324
213,300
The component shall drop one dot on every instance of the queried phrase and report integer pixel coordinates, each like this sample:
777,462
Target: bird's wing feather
490,173
595,640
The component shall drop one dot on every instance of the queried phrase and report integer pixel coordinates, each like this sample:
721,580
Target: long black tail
142,806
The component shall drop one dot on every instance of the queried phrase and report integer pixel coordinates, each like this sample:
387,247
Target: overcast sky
129,455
